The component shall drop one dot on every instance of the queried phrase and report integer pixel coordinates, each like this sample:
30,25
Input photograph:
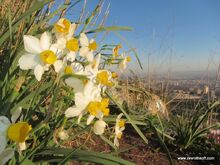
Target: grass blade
129,119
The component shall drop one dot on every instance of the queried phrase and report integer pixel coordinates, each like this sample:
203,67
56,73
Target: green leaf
110,28
129,119
163,145
80,155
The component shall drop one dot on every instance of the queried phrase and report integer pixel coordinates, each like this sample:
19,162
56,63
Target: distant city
195,85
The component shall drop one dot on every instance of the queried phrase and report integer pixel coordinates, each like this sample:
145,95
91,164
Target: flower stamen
72,45
48,57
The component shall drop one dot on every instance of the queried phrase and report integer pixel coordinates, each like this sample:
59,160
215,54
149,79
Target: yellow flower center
93,46
116,49
62,26
68,70
48,57
121,123
128,59
95,107
103,78
18,132
114,75
72,45
104,105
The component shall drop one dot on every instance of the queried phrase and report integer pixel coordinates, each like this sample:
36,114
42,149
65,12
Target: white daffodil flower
4,125
65,67
12,131
74,82
97,109
104,78
119,128
123,63
90,93
87,47
39,56
99,127
64,28
66,43
93,68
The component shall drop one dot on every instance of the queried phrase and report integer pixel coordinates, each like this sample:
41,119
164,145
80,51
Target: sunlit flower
103,77
115,50
119,127
99,127
17,132
76,83
66,43
63,27
123,63
39,56
90,93
93,68
65,67
97,109
87,47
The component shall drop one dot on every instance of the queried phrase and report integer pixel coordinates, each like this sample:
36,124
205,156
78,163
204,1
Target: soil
135,150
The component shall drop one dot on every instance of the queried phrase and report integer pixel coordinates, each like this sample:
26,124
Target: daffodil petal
79,118
82,100
46,67
45,41
4,124
78,68
89,56
28,61
38,72
75,83
22,146
90,119
99,127
97,61
58,65
116,142
72,112
84,40
72,29
32,44
84,51
6,155
71,56
3,143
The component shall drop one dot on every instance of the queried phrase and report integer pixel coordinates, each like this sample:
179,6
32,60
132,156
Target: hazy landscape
109,82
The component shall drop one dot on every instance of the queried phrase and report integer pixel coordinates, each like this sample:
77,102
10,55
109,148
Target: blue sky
178,34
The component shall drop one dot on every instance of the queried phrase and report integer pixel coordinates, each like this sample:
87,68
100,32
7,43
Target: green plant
188,130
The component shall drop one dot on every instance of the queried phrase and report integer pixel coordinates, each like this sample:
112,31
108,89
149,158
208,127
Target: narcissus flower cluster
77,60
